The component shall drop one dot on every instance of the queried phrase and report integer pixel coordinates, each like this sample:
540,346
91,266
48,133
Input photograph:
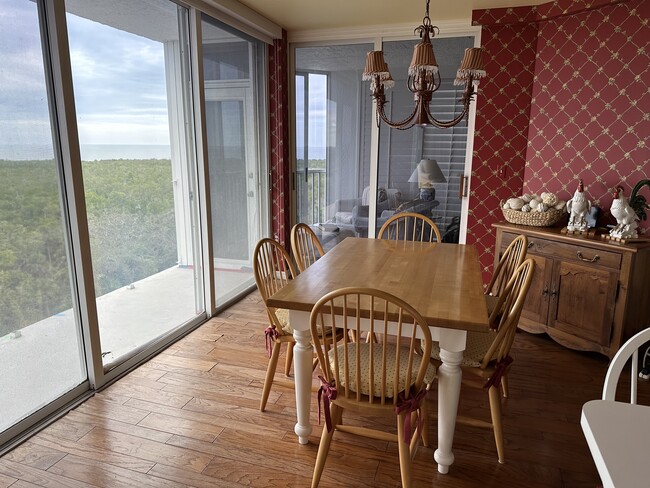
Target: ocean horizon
89,152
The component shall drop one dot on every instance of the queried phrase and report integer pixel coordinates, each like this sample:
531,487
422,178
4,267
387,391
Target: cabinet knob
530,244
545,291
582,258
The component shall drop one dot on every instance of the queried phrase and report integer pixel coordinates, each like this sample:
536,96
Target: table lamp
426,173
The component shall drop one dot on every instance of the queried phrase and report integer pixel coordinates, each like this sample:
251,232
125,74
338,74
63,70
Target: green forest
130,210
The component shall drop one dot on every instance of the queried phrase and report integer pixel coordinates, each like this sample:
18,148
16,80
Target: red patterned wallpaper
279,141
589,116
501,133
582,122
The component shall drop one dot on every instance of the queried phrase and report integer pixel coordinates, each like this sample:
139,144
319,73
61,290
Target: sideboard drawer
577,253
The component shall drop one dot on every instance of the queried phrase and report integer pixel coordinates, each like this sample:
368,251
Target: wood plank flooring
190,417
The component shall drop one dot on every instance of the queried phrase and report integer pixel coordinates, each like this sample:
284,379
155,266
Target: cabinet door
582,301
534,315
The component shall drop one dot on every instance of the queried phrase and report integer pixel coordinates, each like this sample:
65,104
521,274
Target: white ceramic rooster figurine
626,218
578,207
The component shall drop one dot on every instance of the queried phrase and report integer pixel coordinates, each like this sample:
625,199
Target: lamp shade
470,66
427,173
375,65
423,58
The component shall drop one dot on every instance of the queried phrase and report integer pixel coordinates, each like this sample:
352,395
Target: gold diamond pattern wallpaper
572,77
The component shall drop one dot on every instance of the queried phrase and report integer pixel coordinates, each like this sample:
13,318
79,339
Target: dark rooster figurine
638,202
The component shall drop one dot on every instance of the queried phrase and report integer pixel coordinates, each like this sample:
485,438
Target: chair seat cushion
364,353
283,317
476,348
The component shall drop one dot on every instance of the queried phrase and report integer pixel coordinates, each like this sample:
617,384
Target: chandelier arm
403,124
468,96
448,123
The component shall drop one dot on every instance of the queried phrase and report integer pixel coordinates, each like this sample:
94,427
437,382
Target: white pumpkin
533,204
525,208
542,207
526,197
515,203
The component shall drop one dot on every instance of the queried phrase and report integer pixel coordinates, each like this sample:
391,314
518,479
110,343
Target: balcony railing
311,189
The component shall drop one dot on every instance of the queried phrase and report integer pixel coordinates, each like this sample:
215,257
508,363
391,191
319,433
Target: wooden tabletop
441,281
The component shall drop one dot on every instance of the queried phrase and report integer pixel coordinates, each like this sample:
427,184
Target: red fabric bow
408,406
326,392
271,334
499,371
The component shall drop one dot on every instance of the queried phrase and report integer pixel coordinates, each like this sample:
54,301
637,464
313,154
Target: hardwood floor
190,417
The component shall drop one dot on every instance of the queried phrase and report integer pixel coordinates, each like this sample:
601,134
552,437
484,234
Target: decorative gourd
549,199
515,203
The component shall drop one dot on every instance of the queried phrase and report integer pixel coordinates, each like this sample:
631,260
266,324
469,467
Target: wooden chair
273,269
513,256
629,350
305,246
410,226
487,359
386,378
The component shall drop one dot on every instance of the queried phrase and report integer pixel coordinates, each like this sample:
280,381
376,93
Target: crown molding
393,31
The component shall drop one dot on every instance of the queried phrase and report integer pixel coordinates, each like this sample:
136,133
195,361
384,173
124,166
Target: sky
118,77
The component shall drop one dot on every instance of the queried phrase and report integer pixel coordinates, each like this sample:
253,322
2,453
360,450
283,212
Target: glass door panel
333,123
41,349
400,151
130,76
231,65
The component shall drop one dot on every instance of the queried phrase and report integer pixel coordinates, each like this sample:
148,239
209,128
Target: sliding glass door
233,96
104,195
41,350
134,113
333,121
334,141
400,151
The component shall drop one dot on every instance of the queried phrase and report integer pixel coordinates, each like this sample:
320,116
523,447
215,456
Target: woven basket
538,219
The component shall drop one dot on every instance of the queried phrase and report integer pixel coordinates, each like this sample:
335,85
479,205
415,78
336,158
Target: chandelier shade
470,66
423,59
423,80
375,66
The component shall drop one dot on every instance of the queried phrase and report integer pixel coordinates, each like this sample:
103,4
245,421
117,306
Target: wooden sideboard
588,293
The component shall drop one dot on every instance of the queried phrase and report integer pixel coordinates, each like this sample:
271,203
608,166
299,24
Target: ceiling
300,15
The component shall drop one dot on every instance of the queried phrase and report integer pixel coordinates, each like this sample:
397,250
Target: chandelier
423,80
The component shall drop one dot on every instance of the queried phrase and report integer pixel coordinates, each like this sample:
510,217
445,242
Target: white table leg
302,364
449,382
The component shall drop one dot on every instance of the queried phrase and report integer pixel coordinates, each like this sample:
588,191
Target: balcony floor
42,362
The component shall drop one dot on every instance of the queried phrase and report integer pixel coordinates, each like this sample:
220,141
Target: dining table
442,281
